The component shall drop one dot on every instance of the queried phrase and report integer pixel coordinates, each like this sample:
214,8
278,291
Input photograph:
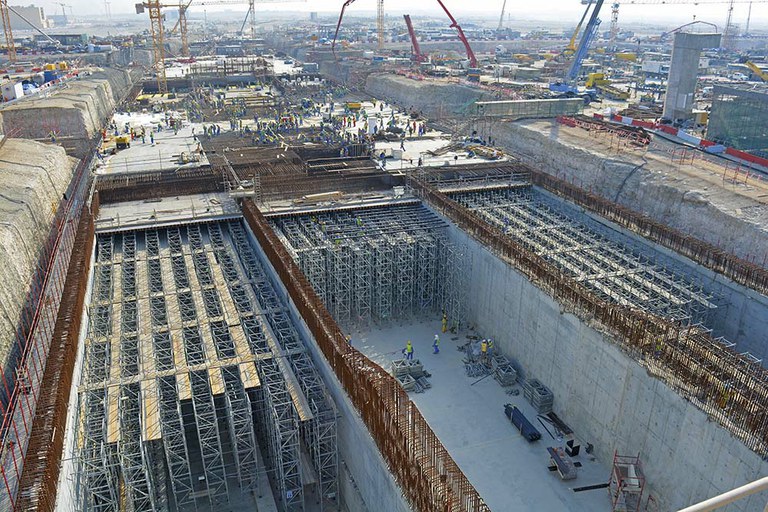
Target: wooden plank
150,411
216,380
169,288
230,312
146,345
183,387
242,348
249,375
113,414
179,356
210,346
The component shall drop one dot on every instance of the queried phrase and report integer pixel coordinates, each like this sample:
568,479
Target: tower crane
501,18
380,23
158,35
63,11
9,44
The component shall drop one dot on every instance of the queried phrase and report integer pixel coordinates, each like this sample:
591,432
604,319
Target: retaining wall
602,393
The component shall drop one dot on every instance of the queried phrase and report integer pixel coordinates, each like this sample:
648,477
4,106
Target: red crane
454,24
417,55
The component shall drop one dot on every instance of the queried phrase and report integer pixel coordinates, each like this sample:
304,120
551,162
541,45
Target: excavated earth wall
33,177
77,109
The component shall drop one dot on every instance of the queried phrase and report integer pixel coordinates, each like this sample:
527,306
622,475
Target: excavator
473,72
757,71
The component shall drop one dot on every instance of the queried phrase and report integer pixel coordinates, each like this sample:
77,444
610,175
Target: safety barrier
427,474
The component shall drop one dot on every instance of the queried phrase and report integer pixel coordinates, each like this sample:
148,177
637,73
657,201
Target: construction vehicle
418,57
568,87
598,82
123,141
763,75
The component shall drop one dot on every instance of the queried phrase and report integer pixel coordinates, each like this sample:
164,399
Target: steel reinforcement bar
427,474
739,270
731,388
37,490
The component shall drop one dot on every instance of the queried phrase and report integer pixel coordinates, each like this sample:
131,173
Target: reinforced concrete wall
435,99
33,177
604,395
359,456
76,109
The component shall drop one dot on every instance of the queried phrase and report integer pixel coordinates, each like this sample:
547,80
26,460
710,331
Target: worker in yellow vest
445,322
436,344
408,351
484,351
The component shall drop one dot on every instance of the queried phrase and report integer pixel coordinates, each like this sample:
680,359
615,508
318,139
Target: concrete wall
33,177
360,457
605,396
435,99
76,110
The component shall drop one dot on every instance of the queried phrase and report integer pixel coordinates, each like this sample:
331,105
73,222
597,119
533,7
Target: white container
12,90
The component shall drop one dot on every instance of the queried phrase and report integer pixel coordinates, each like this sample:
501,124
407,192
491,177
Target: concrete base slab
509,472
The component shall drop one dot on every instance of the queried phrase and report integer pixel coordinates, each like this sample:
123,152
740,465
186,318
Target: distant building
35,15
313,16
739,118
65,39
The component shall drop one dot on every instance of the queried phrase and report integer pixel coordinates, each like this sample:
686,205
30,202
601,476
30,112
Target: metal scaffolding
191,363
377,263
610,269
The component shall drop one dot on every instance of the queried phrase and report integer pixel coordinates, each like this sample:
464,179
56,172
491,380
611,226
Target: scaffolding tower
192,364
377,263
613,270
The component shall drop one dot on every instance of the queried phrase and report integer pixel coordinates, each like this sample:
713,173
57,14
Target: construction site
374,263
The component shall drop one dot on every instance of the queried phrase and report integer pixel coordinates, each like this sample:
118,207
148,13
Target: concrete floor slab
166,211
508,472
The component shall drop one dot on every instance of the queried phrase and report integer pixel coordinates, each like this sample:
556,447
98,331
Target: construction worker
349,340
408,351
445,322
484,351
436,344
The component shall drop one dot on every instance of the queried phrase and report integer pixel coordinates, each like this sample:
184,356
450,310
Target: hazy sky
564,10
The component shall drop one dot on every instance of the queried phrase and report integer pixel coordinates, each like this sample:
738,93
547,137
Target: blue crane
569,86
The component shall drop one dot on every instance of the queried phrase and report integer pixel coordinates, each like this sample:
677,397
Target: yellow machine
354,105
595,79
627,56
756,70
123,141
